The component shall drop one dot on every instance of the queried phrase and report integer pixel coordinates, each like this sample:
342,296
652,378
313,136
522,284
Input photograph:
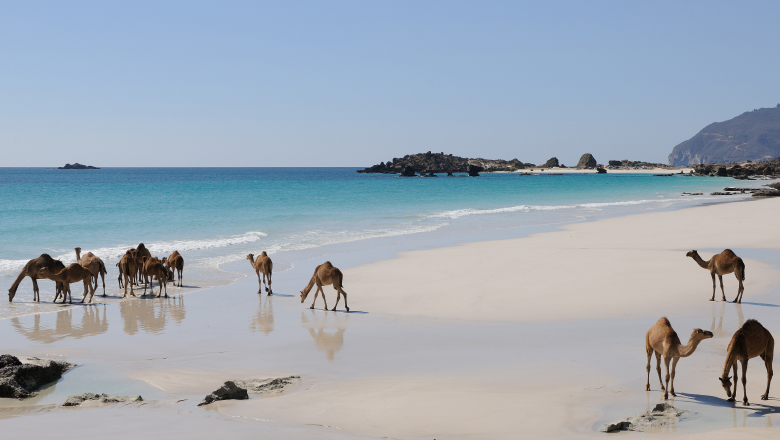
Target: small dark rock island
77,166
428,164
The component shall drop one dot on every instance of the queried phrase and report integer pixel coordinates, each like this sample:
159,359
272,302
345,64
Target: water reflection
93,322
264,318
328,342
718,312
151,315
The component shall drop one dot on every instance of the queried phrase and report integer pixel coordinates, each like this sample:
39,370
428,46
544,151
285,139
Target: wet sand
537,337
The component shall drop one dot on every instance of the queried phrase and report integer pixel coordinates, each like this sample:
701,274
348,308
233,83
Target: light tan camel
33,270
93,264
175,262
72,274
326,274
263,265
154,268
748,342
661,339
721,264
128,267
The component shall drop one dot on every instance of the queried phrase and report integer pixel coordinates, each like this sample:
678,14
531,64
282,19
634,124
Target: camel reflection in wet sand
718,330
264,319
327,342
93,322
151,315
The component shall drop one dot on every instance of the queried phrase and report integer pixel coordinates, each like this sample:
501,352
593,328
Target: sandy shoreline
534,337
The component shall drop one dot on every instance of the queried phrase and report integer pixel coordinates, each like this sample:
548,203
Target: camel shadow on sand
757,409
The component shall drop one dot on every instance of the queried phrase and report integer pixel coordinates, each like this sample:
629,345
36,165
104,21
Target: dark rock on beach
78,399
661,415
587,161
766,193
77,166
20,380
228,391
551,163
268,386
742,171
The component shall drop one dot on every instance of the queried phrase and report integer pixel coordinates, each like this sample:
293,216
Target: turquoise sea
218,215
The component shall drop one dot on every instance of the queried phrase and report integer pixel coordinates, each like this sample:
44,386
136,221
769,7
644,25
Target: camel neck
688,349
730,359
700,262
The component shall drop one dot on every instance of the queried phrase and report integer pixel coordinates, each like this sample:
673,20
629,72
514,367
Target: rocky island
77,166
431,163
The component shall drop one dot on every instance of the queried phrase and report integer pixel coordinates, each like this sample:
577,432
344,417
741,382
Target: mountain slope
750,136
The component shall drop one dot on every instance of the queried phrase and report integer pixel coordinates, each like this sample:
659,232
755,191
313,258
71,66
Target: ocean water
219,215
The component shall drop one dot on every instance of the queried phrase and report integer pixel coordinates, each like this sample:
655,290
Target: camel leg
674,369
87,285
338,297
733,397
738,299
319,288
767,357
713,286
316,292
36,292
259,282
744,382
345,299
103,278
667,377
722,292
649,356
658,369
270,289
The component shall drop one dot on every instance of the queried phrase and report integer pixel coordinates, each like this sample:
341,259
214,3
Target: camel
661,339
93,264
141,252
175,262
748,342
721,264
33,270
128,266
326,274
266,266
154,268
72,274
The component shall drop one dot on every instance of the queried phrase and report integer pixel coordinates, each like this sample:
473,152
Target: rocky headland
745,170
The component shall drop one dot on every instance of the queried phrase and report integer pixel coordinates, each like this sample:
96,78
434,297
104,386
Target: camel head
11,295
700,334
692,254
726,382
304,295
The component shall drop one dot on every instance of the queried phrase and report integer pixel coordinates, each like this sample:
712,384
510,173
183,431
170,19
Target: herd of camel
750,341
138,266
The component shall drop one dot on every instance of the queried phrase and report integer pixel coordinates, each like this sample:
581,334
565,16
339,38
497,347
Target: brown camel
175,262
93,264
154,268
326,274
72,274
748,342
721,264
33,270
661,339
266,266
141,252
128,267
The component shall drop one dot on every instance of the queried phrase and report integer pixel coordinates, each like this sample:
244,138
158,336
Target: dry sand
540,337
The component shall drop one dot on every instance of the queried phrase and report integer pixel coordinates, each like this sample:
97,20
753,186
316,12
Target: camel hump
664,321
751,324
728,252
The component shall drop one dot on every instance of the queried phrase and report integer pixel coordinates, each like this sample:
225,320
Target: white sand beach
538,337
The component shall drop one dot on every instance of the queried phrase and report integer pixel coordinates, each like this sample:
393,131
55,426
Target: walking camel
128,266
33,270
175,262
140,252
72,274
266,266
748,342
721,264
93,264
326,274
661,339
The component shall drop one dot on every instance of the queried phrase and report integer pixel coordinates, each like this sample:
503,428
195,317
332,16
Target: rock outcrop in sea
77,166
431,163
20,380
752,136
587,161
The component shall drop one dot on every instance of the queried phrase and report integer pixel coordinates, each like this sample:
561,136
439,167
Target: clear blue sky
331,83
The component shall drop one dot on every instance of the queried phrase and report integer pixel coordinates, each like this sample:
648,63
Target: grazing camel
748,342
72,274
326,274
721,264
33,270
266,266
128,266
175,262
661,339
154,268
93,264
